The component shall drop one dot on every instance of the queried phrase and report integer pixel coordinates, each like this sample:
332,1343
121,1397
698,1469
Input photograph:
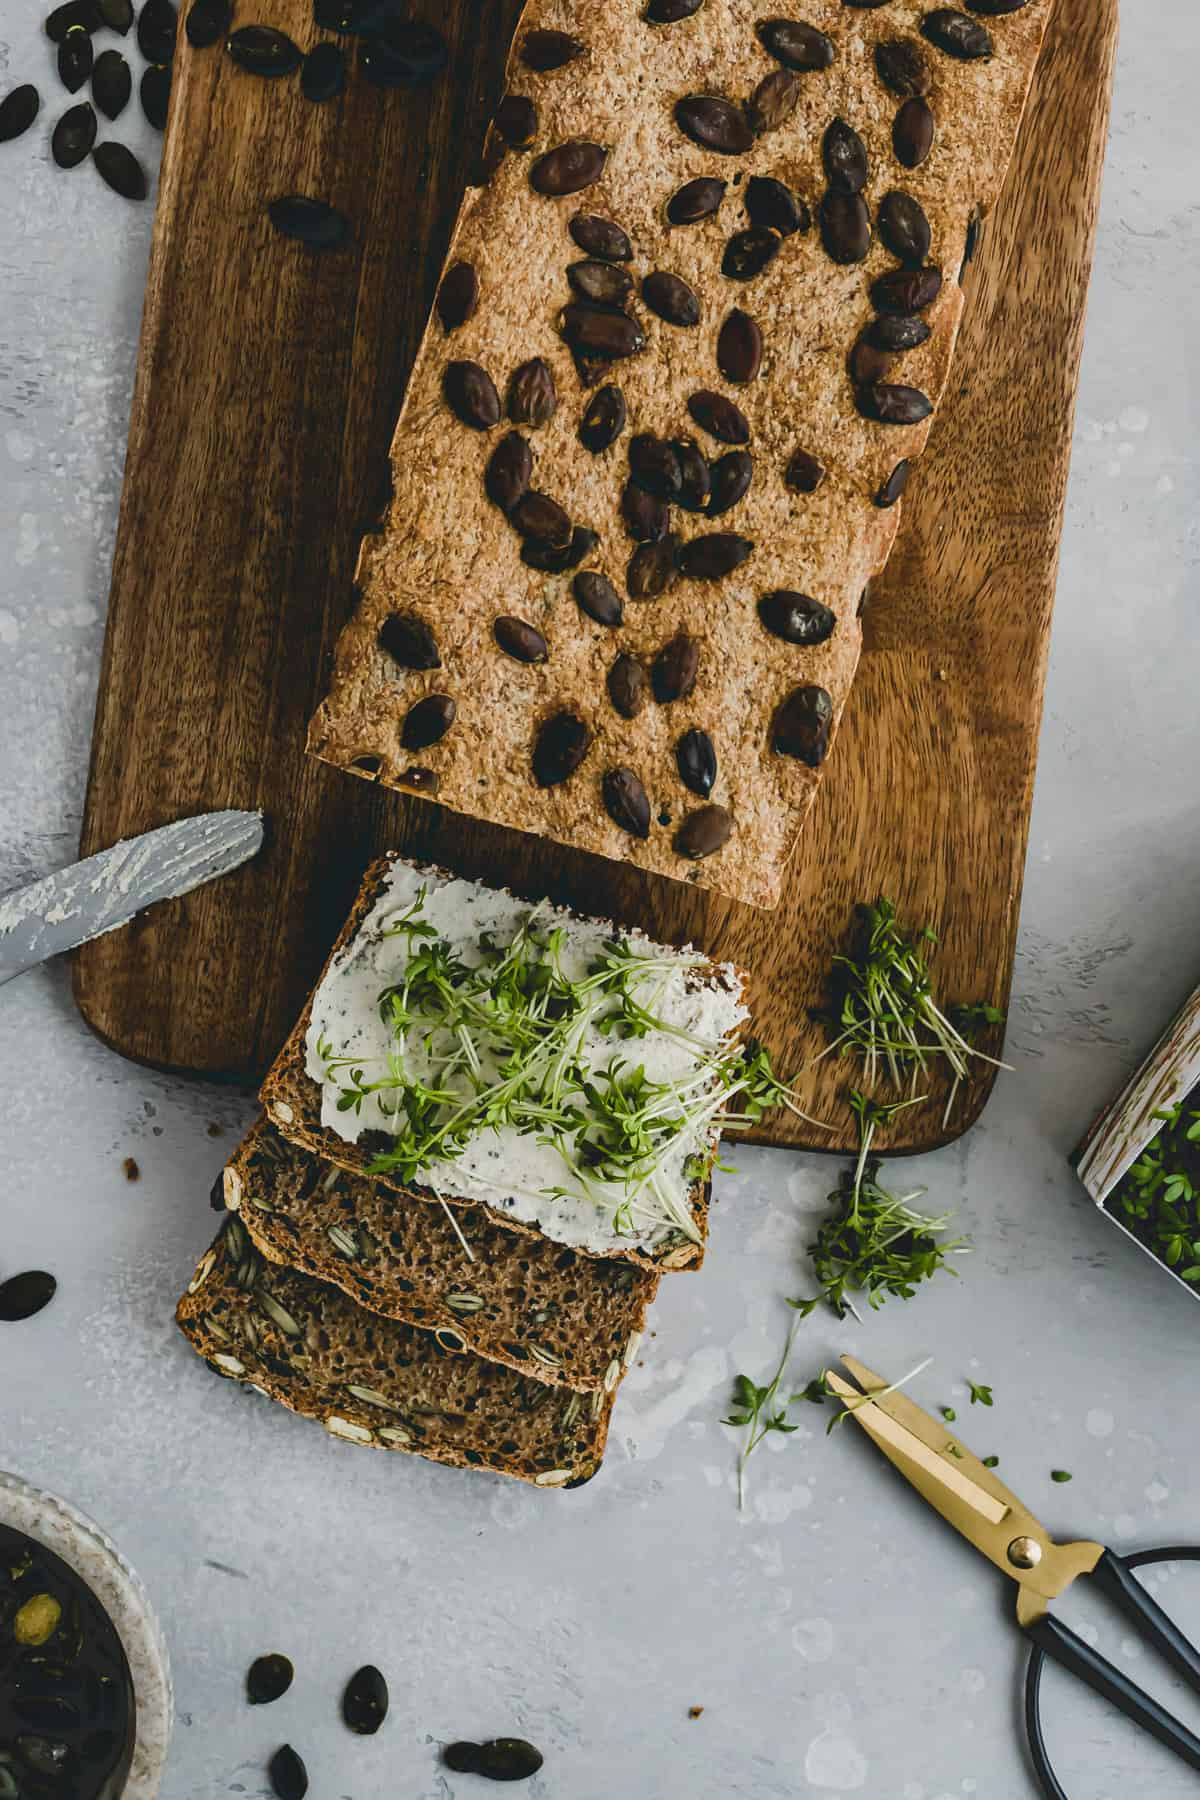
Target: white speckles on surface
813,1639
1099,1422
833,1760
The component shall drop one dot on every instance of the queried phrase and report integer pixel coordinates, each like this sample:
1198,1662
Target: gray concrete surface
839,1640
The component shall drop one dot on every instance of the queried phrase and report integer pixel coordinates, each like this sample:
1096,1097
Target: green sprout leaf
980,1395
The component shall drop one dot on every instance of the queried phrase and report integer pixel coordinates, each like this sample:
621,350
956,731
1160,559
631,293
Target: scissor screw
1025,1553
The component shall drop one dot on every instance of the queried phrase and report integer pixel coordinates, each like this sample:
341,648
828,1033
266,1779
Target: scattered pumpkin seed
311,222
268,1678
112,83
122,171
18,110
365,1701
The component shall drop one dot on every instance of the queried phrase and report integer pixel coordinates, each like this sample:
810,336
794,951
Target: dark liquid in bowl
67,1712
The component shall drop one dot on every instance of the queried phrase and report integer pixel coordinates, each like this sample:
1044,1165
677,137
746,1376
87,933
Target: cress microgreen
1158,1198
1061,1475
980,1395
759,1410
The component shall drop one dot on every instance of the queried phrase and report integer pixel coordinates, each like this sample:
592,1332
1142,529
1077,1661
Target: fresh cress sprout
1158,1199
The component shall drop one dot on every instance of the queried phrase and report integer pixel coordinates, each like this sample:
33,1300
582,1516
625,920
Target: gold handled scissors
969,1497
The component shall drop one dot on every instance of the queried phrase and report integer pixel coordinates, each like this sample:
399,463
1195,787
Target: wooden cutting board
267,387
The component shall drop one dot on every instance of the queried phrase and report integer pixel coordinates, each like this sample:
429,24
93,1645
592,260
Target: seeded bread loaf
375,1381
573,1321
579,621
293,1099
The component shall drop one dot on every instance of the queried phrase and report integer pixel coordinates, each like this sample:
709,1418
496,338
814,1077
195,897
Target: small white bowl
85,1548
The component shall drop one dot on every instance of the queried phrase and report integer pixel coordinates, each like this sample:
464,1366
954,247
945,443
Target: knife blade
104,891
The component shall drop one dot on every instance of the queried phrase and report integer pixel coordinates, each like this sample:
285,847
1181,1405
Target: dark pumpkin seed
957,35
601,330
74,12
409,641
311,222
714,123
696,200
804,474
893,487
652,569
795,45
769,203
893,404
646,517
703,833
156,27
112,83
602,282
601,238
712,557
517,121
717,414
867,364
121,170
73,136
458,295
523,642
365,1701
509,471
906,290
21,1296
75,58
695,481
654,465
537,516
902,67
604,420
268,1679
323,72
897,331
561,745
671,298
730,480
628,685
590,365
845,227
912,133
773,101
532,396
18,110
398,53
748,252
154,92
471,395
626,802
568,169
696,761
501,1759
546,50
289,1777
796,618
670,12
261,50
207,22
845,158
904,228
596,596
802,725
674,670
552,561
428,721
116,14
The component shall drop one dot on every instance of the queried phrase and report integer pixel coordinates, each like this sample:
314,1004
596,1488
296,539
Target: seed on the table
912,133
268,1679
154,92
75,58
537,516
748,252
796,46
695,481
674,670
509,471
428,721
845,158
891,403
73,136
405,54
261,50
18,110
957,35
867,364
802,724
596,596
112,83
671,298
553,561
523,642
458,295
323,72
207,22
696,200
804,474
773,101
311,222
122,171
770,203
365,1701
562,743
516,120
717,414
568,169
714,123
601,330
471,395
730,477
602,238
289,1777
628,685
604,420
712,557
626,801
697,762
602,282
904,228
532,396
891,490
654,465
703,832
670,12
897,331
156,28
906,290
409,641
546,50
901,66
796,618
646,517
652,569
21,1296
739,347
74,12
503,1759
845,227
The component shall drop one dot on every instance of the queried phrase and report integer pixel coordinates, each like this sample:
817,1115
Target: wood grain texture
267,388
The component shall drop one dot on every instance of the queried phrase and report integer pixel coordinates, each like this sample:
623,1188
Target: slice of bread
294,1099
375,1381
573,1321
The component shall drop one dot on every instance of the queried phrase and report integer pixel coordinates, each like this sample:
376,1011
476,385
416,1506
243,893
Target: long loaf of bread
689,340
